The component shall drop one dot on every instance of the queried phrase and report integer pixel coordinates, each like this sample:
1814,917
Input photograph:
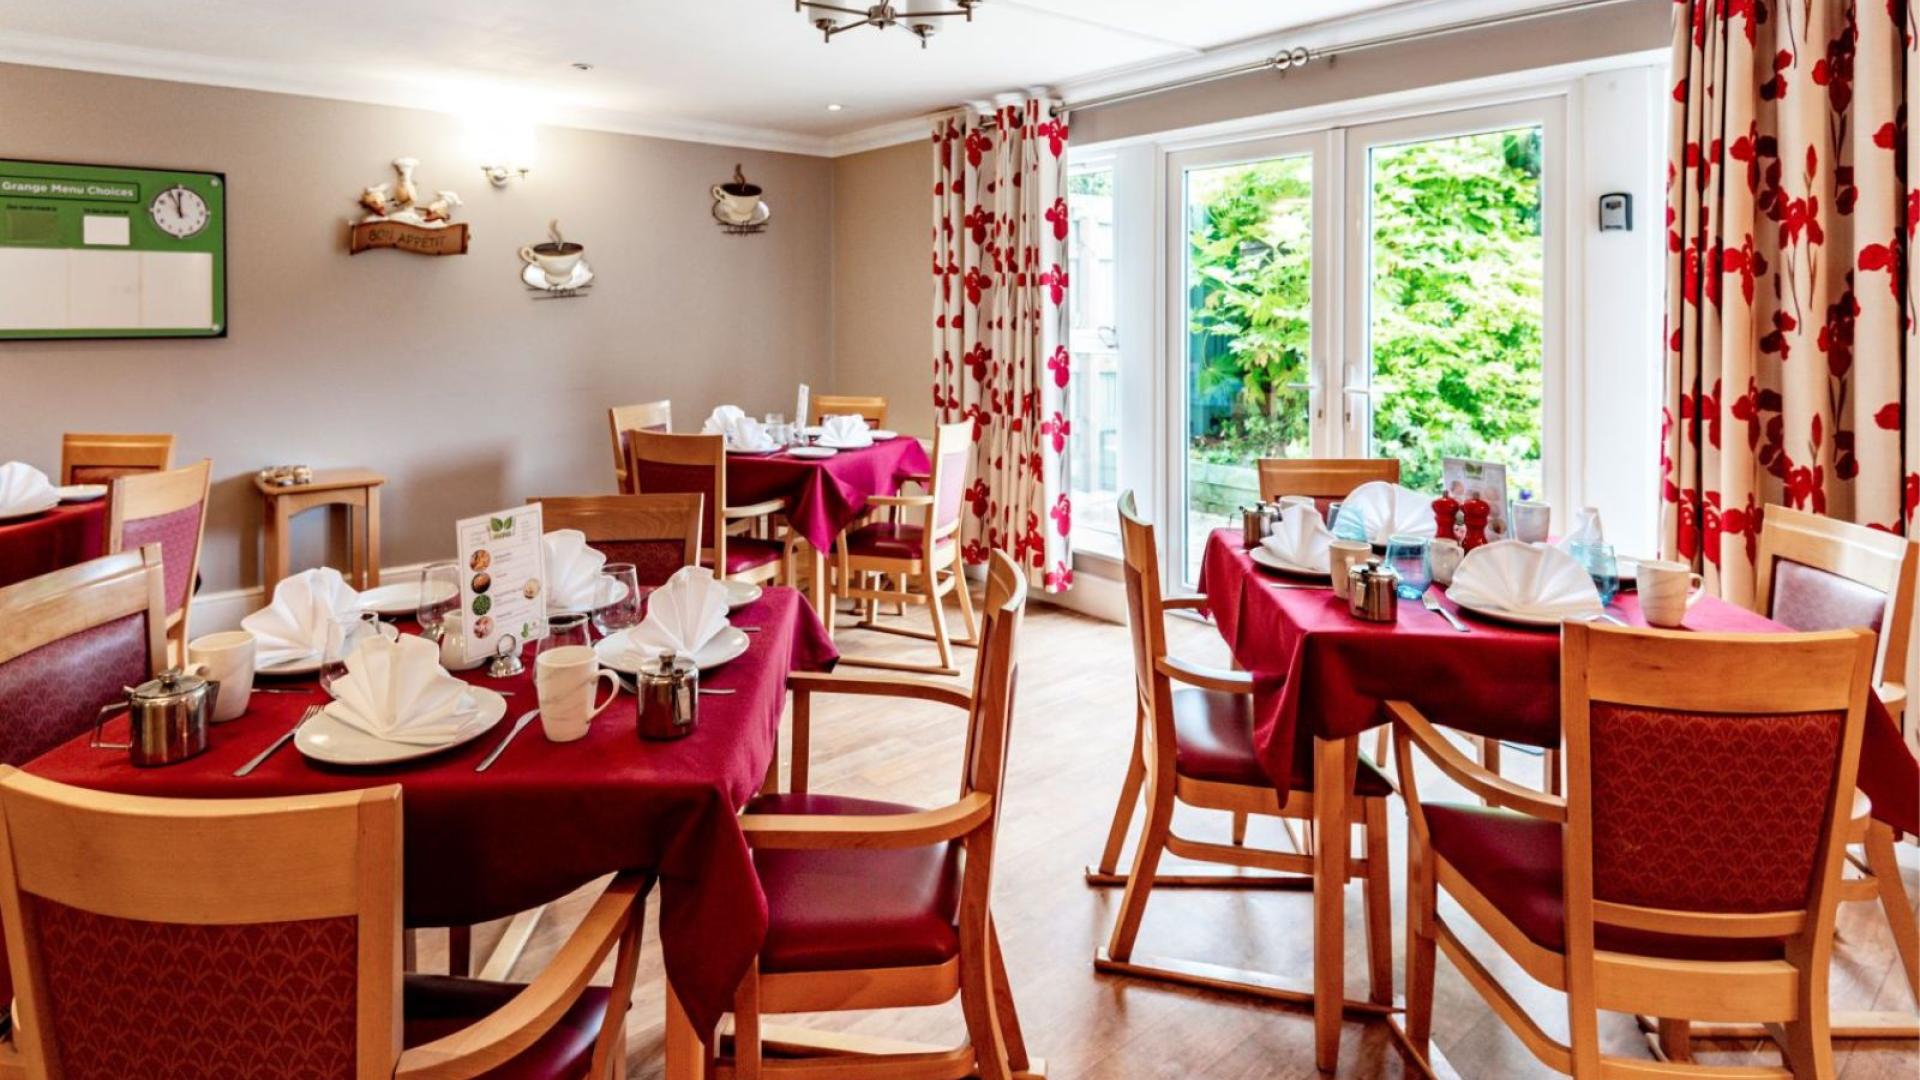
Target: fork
1432,603
312,711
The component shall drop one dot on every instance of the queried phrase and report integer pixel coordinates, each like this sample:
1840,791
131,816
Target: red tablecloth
1318,671
549,817
47,542
825,496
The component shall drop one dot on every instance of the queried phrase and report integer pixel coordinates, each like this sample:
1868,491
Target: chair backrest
688,465
70,641
1323,478
191,937
654,416
871,409
658,534
990,719
100,458
1817,573
166,508
952,450
1146,619
1709,777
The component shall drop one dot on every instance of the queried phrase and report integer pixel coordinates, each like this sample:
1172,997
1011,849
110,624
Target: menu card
800,406
1464,479
503,588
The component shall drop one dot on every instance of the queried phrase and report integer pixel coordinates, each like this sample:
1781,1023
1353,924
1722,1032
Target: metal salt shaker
669,697
1370,592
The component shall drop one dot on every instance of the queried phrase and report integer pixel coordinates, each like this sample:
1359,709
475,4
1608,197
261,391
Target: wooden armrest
869,831
489,1043
899,500
754,510
1490,787
813,682
1196,602
1207,678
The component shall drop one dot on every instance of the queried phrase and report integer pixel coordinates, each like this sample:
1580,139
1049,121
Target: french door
1380,290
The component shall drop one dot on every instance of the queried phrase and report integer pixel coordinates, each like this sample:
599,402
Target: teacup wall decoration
738,207
557,267
398,218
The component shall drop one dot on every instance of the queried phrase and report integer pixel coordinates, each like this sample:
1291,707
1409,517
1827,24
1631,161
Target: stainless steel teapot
167,718
669,697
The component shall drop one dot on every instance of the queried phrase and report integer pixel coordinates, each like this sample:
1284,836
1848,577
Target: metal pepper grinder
668,689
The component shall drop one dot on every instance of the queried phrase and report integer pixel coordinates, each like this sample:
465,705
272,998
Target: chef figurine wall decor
737,205
396,218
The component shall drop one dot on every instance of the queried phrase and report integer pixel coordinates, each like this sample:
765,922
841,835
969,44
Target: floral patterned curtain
1000,326
1790,310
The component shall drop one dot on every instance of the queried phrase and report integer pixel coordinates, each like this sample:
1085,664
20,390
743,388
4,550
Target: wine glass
617,596
1600,563
1408,557
344,634
564,629
439,597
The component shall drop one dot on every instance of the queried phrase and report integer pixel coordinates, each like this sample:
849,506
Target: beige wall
443,373
882,281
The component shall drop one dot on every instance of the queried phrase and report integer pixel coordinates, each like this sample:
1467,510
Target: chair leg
936,605
460,950
1378,898
1004,1007
1808,1042
966,604
1421,898
746,1025
610,1048
1129,798
1146,863
977,1004
1885,869
1550,772
1239,828
1676,1039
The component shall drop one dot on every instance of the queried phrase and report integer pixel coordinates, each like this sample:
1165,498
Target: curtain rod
1300,56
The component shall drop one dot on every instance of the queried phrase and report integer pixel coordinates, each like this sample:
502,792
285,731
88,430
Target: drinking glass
619,587
1407,555
344,634
1602,566
439,597
564,629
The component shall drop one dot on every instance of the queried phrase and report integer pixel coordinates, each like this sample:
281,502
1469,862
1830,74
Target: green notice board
94,251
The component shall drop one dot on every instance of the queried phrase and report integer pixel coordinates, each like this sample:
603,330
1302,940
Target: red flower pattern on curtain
1790,311
1000,326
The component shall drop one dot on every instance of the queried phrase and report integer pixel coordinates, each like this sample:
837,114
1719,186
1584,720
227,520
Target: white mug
566,680
1299,500
1667,590
556,261
1531,521
1443,558
226,658
1341,557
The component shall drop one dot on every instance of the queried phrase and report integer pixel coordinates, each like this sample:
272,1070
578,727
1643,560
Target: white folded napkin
1300,538
397,691
573,570
845,432
1388,510
682,615
1525,579
294,626
743,432
24,488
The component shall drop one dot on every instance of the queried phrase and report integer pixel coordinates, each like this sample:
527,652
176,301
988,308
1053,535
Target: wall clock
179,212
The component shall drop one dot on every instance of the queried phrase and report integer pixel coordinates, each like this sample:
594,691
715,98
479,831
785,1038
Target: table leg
1334,763
686,1054
373,536
276,553
819,593
357,545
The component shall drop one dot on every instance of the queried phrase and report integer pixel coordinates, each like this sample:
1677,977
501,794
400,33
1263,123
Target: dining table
52,540
1321,674
546,818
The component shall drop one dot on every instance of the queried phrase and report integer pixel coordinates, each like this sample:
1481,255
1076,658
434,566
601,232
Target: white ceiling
746,71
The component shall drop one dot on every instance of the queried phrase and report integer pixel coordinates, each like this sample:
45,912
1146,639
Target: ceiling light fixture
826,18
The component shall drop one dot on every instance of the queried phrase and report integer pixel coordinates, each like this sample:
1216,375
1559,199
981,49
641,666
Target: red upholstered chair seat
846,909
439,1005
1515,862
885,540
746,553
1214,731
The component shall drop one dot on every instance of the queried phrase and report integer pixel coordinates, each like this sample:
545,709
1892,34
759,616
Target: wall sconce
500,175
505,146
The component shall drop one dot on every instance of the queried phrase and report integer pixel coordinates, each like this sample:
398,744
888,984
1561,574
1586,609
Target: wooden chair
1194,746
70,641
697,465
1817,573
875,905
1323,478
882,560
658,534
872,409
1693,867
170,509
654,416
260,937
103,458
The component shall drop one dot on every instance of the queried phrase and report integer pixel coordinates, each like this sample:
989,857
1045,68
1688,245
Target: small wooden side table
356,489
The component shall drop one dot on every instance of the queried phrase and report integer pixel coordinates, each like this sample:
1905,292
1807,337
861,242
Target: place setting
26,492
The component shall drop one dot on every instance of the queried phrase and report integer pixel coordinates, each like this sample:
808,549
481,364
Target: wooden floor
1070,739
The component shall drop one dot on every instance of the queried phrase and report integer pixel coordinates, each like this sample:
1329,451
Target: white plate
812,453
1503,615
325,739
615,652
882,434
399,599
81,492
28,511
752,453
740,594
292,667
830,444
1274,562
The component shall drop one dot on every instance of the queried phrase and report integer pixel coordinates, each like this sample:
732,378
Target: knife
525,719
